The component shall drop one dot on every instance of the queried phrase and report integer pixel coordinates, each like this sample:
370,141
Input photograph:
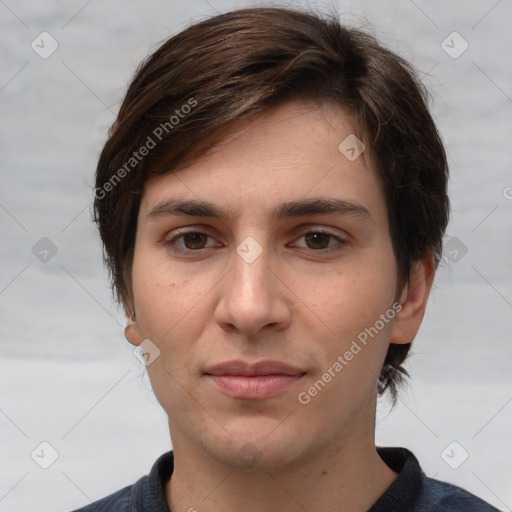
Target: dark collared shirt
412,490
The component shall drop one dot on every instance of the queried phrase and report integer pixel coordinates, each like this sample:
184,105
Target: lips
250,370
261,380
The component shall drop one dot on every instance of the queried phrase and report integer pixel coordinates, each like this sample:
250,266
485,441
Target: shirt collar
400,496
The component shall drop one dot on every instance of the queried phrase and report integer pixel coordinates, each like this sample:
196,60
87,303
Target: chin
268,445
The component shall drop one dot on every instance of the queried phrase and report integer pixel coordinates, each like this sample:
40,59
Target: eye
194,241
321,240
191,241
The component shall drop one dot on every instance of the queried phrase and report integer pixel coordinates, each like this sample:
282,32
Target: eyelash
171,243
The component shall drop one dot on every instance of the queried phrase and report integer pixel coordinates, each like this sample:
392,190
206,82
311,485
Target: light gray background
70,379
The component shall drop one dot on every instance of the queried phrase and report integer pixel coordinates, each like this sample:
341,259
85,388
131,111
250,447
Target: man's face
267,282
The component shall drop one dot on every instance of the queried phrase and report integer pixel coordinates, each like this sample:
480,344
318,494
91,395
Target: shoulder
148,493
118,501
413,491
438,496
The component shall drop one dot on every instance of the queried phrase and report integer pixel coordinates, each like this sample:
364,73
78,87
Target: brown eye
194,240
317,240
320,241
189,242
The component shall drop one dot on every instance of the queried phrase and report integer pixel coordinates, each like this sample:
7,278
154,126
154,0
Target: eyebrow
286,210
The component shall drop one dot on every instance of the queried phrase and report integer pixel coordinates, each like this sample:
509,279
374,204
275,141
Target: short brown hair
236,64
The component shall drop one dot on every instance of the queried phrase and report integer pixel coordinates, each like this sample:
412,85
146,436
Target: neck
348,476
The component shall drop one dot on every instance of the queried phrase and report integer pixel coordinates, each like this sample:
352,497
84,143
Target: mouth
258,381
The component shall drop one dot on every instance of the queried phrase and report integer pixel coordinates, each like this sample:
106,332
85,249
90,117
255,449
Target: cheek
167,302
350,357
354,297
350,303
172,312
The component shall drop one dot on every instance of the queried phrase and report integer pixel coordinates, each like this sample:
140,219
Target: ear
132,333
414,300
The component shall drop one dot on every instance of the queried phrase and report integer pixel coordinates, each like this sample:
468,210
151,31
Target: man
272,201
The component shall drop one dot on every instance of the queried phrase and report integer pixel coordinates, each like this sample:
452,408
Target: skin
296,303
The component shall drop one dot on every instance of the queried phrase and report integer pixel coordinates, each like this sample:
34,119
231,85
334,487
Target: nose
254,295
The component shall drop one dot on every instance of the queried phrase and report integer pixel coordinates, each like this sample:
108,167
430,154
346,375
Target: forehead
295,150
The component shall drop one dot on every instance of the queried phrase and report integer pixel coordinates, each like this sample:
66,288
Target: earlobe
132,333
414,301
